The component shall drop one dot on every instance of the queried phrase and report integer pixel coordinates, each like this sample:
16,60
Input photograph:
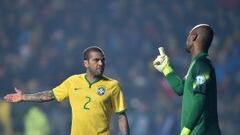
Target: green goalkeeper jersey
199,91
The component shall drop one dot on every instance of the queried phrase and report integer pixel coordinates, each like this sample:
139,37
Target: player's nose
100,62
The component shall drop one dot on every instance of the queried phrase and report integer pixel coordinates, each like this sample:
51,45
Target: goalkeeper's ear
193,37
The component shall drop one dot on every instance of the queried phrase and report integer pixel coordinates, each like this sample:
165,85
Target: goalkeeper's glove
161,63
185,131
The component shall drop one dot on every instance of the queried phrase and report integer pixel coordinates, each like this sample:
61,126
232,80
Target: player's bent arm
161,63
43,96
123,123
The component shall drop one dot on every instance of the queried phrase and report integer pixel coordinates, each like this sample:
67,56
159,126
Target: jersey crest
100,91
200,80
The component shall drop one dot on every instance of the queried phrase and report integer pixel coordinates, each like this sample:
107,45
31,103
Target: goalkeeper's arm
195,112
161,63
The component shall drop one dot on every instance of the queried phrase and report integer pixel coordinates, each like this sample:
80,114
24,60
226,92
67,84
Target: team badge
100,91
200,79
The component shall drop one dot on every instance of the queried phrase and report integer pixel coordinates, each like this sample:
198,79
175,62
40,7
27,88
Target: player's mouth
99,69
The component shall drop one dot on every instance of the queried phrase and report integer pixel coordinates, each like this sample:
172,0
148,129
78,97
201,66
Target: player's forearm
123,124
196,110
176,83
43,96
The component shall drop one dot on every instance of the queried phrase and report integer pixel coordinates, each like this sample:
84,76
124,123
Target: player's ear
194,37
85,63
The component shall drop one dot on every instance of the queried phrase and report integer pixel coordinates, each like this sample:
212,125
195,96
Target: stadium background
41,44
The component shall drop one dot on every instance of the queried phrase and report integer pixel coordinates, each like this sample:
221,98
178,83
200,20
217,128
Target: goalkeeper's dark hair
87,51
206,34
208,38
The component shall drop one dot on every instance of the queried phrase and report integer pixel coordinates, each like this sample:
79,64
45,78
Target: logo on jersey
77,89
200,79
100,91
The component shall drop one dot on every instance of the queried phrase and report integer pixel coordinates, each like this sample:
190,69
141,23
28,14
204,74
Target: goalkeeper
198,88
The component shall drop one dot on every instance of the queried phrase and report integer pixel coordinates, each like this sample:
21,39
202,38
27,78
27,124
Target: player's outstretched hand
161,63
14,97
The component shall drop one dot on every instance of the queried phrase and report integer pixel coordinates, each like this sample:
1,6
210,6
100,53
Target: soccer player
93,97
198,88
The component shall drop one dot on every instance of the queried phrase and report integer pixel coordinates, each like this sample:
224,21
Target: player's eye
97,60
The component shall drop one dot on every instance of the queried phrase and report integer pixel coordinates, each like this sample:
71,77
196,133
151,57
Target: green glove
185,131
161,63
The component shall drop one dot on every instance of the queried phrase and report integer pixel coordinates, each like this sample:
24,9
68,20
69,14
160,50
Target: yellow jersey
92,104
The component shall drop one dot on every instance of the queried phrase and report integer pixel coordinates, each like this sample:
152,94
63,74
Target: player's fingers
161,51
157,61
154,62
10,98
7,97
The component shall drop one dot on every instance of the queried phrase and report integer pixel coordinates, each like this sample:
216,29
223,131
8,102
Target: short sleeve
118,101
61,92
201,78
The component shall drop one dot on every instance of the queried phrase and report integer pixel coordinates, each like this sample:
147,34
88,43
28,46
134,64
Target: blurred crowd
41,44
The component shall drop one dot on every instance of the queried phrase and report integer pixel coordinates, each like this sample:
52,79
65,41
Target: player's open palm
14,97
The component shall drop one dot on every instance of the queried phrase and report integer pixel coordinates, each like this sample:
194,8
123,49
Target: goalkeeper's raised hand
161,63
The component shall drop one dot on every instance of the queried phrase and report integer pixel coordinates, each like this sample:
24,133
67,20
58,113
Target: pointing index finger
161,50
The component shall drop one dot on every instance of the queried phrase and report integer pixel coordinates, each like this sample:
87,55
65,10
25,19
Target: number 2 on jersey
88,100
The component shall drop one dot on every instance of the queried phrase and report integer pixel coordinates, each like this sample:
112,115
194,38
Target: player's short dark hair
207,35
208,38
87,51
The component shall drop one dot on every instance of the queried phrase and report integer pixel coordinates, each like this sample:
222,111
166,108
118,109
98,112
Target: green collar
201,54
89,83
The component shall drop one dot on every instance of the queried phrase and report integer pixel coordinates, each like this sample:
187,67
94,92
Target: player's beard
187,50
96,72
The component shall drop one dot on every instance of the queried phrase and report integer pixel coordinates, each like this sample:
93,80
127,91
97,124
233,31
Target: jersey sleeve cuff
120,112
167,70
55,96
